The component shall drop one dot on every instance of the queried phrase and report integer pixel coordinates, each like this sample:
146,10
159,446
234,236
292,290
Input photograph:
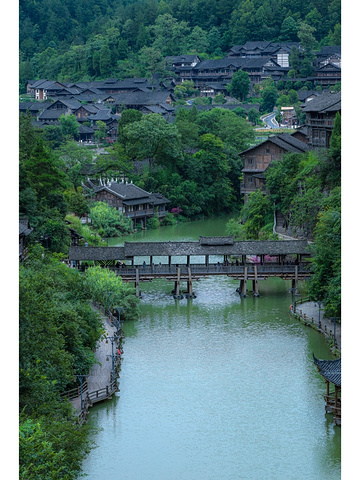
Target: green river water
216,387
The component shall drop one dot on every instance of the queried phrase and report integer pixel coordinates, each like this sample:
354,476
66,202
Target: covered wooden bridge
187,261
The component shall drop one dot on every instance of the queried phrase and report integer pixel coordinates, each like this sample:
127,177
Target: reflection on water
217,387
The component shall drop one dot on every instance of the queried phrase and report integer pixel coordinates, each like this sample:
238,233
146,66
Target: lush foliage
255,221
107,288
88,39
108,221
325,284
58,332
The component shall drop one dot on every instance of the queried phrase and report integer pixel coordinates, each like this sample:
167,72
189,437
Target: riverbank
310,314
101,382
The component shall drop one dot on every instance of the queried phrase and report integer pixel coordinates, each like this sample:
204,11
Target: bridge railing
166,269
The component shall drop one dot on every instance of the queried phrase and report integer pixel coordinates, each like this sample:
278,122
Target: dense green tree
269,97
100,132
289,30
230,128
154,139
325,284
170,34
240,85
44,172
76,202
198,41
253,116
294,58
209,168
255,215
108,221
100,281
69,125
153,61
188,129
307,39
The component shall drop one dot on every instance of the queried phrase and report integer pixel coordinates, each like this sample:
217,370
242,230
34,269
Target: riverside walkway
312,315
101,383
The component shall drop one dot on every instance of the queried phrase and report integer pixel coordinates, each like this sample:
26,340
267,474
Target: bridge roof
215,247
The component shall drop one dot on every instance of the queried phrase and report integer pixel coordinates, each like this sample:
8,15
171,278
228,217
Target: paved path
99,375
311,310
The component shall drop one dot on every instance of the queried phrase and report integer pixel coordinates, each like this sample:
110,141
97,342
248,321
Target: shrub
169,219
153,223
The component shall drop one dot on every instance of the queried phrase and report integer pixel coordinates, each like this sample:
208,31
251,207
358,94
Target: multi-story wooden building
257,159
131,201
320,117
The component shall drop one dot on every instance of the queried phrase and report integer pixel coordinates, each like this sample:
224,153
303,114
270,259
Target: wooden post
296,278
206,260
169,261
177,283
188,260
189,283
255,283
137,282
243,283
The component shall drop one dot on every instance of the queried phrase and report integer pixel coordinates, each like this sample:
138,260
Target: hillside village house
320,117
277,51
132,201
257,159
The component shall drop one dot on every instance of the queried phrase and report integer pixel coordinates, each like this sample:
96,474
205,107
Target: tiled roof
85,129
288,142
329,50
330,370
219,63
49,114
324,102
142,98
130,193
284,141
255,45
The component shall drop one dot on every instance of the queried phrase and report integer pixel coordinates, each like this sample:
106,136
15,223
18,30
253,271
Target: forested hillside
88,39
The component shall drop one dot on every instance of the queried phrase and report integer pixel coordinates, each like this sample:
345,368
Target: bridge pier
243,284
255,283
137,282
190,293
294,281
177,286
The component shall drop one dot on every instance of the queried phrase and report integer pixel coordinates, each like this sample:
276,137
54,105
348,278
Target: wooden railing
212,269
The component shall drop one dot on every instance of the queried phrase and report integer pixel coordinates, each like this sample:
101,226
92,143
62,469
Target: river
216,387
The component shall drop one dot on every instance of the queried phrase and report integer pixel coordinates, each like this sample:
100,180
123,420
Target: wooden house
139,100
327,74
86,134
277,51
182,66
42,89
320,117
258,158
131,201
